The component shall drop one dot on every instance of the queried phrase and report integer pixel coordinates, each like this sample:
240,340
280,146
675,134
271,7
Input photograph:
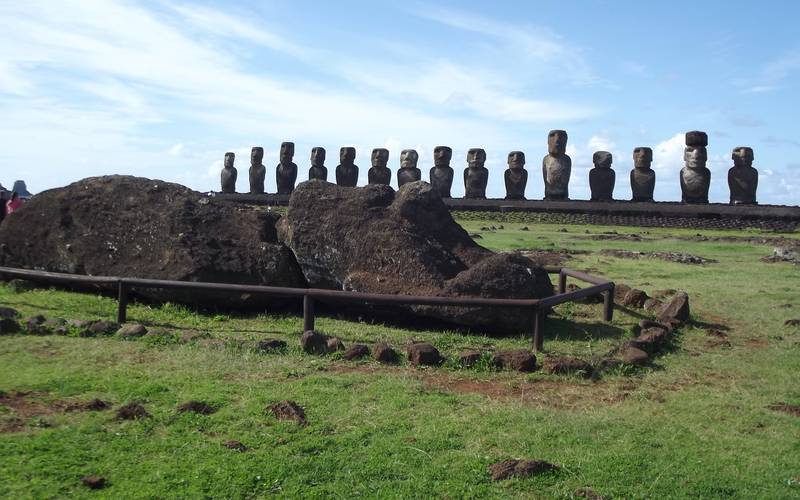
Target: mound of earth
135,227
371,239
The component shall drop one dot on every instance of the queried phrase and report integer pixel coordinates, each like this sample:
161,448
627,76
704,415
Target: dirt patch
91,405
717,338
677,257
94,482
614,236
793,410
556,257
519,468
288,410
132,411
756,343
22,409
199,407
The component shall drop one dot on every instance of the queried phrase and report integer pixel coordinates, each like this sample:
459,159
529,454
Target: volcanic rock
94,482
268,345
519,468
371,239
8,325
137,227
288,410
335,344
677,308
131,330
469,358
384,353
633,355
356,351
567,365
635,298
8,313
423,354
314,343
523,361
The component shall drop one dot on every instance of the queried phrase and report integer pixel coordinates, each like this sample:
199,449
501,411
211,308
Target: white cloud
668,154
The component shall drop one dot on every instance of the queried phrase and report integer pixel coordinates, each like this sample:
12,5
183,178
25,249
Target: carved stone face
229,157
642,157
695,156
557,142
476,157
602,159
380,157
442,156
408,158
318,156
287,152
256,155
347,156
742,157
516,160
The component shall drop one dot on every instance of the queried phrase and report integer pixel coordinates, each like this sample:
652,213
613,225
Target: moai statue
347,171
257,171
286,171
228,175
602,177
318,171
408,168
556,167
742,177
441,174
380,173
695,177
643,178
476,176
516,176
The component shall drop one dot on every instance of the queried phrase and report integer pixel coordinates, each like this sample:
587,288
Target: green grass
693,425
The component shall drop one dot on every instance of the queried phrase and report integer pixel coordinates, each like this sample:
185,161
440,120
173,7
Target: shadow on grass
564,329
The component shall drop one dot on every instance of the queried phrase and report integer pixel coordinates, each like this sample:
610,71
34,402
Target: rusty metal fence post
122,297
562,281
538,329
308,313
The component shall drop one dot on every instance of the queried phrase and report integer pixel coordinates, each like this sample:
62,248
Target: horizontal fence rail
600,286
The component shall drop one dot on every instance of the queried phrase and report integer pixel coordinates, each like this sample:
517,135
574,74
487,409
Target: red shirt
13,205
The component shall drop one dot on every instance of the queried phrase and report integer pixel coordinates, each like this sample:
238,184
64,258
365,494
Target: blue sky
163,89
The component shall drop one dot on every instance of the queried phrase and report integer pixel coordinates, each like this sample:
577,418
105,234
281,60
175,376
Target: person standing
13,204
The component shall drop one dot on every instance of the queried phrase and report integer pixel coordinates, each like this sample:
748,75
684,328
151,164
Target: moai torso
257,171
347,171
602,178
285,177
406,175
643,184
379,173
228,175
319,173
743,178
556,167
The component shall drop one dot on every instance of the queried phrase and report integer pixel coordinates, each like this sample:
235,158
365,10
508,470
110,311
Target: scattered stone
785,408
423,354
131,330
314,343
648,323
356,351
524,228
235,445
519,468
718,338
288,410
199,407
469,358
8,325
620,291
335,344
159,336
520,360
132,411
792,322
94,482
651,340
678,257
189,337
383,353
632,355
634,298
567,365
652,305
99,328
786,253
677,308
97,405
8,313
270,345
33,325
588,493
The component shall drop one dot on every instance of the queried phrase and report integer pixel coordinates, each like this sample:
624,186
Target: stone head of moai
557,142
287,152
256,155
516,160
642,157
476,157
380,157
602,159
442,156
318,156
229,158
409,158
695,156
742,156
347,155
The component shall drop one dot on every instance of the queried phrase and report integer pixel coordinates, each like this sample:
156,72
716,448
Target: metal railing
600,286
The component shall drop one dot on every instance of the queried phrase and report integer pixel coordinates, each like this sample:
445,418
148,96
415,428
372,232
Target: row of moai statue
695,177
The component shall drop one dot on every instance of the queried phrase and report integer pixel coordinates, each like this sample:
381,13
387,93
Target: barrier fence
599,286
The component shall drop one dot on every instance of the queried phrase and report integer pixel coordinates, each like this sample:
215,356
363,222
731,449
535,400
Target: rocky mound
136,227
371,239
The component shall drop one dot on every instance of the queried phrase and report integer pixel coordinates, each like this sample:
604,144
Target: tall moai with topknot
742,177
695,177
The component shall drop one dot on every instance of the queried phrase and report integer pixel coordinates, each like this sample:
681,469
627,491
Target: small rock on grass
677,308
632,355
288,410
94,482
792,322
520,360
132,411
567,365
235,445
635,298
8,313
423,354
519,468
335,344
383,353
99,328
270,345
469,358
314,342
356,351
8,325
199,407
131,330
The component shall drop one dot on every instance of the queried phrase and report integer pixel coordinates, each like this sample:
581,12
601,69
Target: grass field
694,424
